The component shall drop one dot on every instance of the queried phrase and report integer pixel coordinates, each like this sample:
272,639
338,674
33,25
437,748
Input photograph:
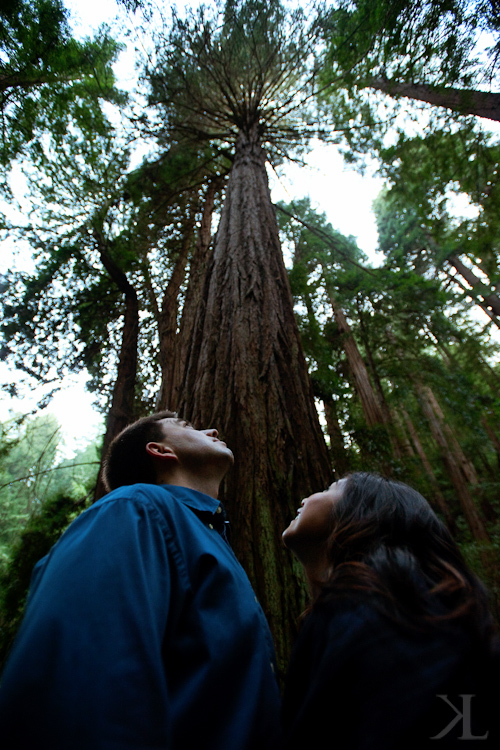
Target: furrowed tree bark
167,322
121,411
463,101
194,294
246,375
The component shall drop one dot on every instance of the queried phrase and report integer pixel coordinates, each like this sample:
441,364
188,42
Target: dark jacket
358,681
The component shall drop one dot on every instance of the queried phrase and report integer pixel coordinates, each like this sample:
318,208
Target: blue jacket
141,631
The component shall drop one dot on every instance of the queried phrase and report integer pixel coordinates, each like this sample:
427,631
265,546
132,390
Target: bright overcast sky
344,195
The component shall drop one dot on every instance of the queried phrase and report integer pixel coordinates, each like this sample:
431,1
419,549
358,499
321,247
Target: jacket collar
195,500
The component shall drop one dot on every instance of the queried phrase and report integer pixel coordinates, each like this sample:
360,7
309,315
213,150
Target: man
142,630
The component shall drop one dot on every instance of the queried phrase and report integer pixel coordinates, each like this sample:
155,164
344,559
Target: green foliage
24,478
98,224
426,175
231,67
40,533
40,494
31,472
408,329
48,80
448,43
431,41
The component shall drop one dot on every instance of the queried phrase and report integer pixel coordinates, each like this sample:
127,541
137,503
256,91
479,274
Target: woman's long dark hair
387,542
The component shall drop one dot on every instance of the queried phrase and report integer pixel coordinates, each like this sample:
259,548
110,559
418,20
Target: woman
398,645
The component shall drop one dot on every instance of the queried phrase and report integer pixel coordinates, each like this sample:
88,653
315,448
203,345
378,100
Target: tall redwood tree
239,80
246,375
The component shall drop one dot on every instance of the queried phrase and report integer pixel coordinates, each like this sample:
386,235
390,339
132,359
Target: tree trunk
20,80
437,425
403,437
167,323
371,409
384,406
338,451
492,301
475,300
246,375
463,462
121,411
437,496
194,294
493,437
463,101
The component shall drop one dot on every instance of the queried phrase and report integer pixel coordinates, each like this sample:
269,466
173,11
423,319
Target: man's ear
161,452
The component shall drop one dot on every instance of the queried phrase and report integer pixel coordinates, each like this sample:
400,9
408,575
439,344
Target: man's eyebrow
183,422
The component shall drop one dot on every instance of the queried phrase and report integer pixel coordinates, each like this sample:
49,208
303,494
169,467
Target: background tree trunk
246,375
167,323
121,411
371,409
463,462
464,101
469,509
340,458
437,498
194,294
493,437
490,300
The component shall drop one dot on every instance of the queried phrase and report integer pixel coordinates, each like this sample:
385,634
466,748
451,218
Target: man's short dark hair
127,461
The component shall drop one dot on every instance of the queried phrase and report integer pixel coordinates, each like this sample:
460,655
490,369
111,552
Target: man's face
195,447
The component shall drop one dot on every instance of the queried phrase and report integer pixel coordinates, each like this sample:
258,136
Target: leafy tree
107,236
416,226
39,496
131,285
41,532
25,480
31,472
444,54
49,80
413,357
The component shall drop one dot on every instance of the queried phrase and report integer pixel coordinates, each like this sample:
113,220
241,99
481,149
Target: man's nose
212,432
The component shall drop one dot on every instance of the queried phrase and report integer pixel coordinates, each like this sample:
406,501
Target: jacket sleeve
86,669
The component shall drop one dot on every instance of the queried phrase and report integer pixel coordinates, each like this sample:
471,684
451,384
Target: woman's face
313,521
